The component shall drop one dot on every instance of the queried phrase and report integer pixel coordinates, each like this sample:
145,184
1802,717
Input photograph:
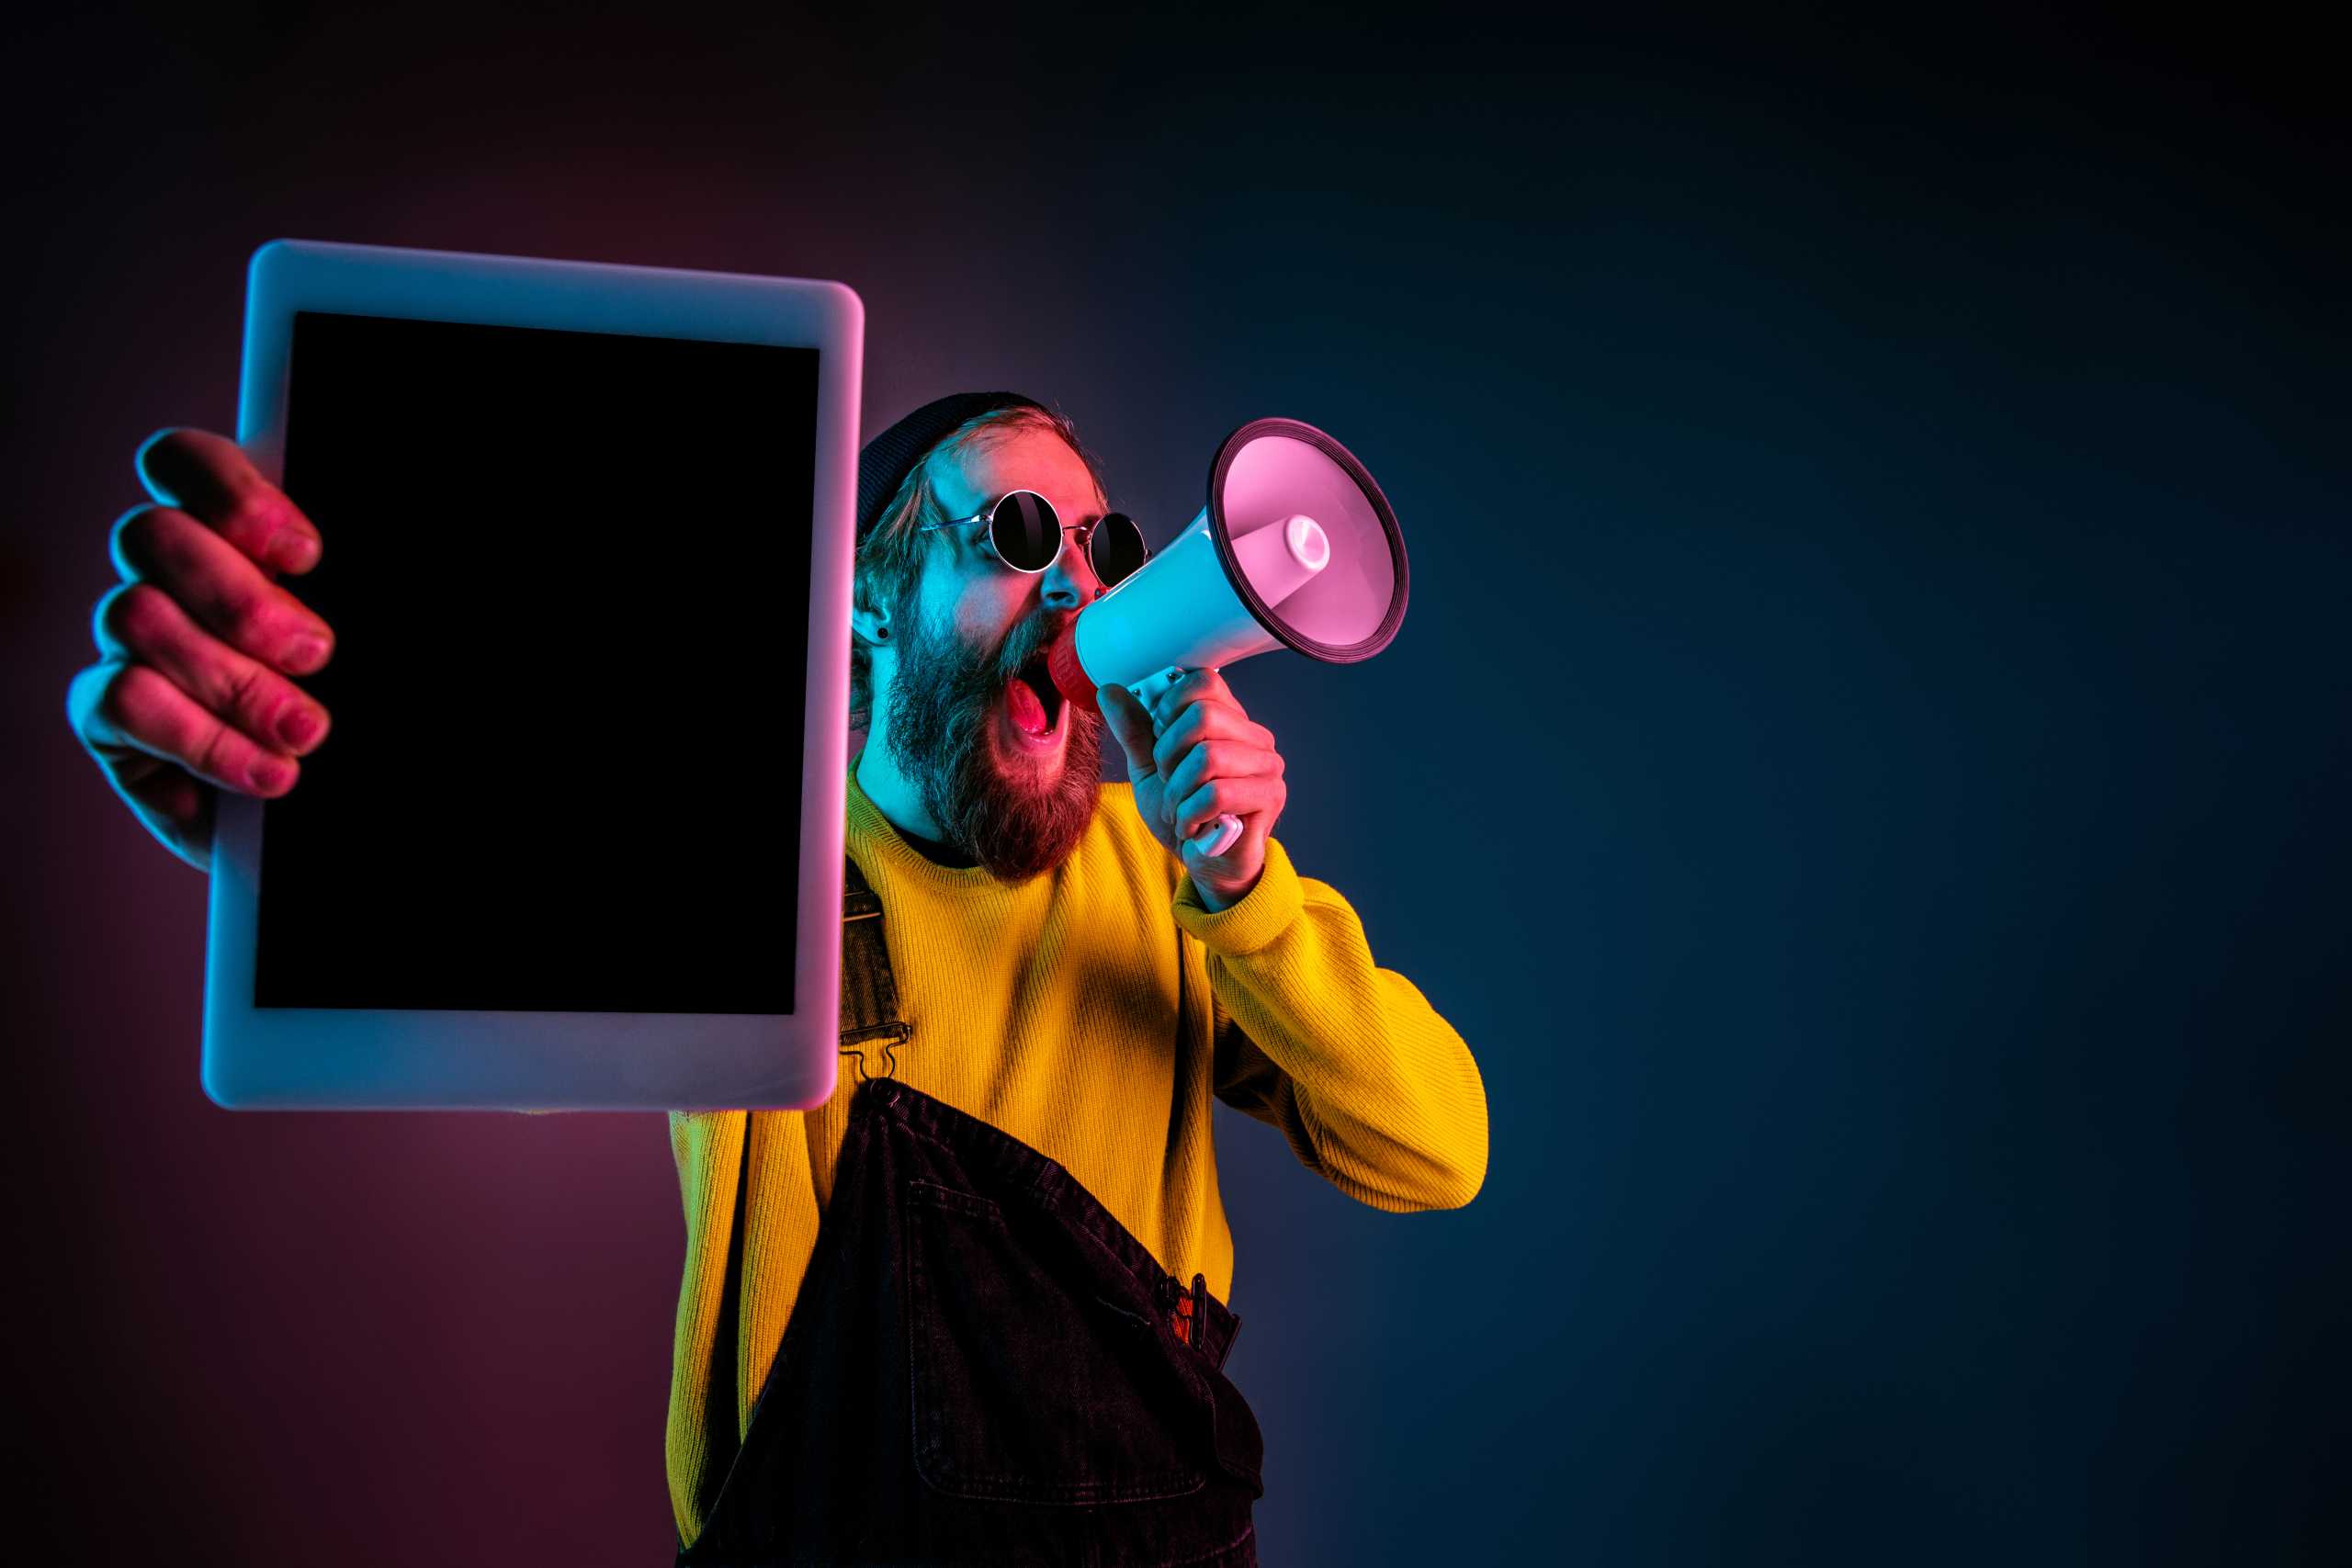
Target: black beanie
886,461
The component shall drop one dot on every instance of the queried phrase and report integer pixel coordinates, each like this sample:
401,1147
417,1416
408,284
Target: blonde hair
889,563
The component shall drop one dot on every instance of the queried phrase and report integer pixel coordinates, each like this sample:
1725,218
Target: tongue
1027,712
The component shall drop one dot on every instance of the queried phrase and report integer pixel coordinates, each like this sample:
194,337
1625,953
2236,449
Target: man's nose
1069,583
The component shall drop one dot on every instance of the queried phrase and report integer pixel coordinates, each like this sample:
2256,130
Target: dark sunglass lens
1115,549
1025,531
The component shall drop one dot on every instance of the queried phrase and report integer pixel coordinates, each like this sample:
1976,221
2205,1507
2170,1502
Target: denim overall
983,1366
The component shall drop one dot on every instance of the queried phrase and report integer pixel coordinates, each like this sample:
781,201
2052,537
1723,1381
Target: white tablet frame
357,1058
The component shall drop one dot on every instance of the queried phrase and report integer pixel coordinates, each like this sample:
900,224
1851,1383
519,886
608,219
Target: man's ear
872,624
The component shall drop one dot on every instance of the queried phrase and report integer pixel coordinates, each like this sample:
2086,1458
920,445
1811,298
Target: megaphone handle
1219,836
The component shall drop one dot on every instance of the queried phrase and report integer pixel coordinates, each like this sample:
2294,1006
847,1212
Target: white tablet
575,837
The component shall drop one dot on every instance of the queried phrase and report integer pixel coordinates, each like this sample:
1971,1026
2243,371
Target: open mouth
1033,704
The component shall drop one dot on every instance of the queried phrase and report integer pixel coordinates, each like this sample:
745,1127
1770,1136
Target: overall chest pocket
1039,1374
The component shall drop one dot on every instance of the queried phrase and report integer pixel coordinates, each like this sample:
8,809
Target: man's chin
1042,798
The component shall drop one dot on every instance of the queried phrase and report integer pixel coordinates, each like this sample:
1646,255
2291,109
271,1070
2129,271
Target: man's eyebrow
1099,509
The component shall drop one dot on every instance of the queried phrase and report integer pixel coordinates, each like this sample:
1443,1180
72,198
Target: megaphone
1296,548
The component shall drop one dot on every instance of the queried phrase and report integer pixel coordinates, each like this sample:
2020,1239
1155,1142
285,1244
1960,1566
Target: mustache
1030,640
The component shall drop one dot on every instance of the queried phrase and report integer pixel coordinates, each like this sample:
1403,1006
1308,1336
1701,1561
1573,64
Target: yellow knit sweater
1090,1012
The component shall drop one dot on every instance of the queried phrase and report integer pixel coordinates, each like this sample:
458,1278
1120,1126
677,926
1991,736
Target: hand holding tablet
201,642
578,617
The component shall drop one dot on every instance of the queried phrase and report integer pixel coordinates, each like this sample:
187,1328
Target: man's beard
941,708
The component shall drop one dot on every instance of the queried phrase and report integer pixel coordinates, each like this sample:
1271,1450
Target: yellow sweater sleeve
1376,1093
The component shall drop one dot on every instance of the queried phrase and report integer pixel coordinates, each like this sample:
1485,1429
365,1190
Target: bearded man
973,1309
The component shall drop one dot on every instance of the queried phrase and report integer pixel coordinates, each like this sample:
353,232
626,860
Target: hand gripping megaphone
1296,548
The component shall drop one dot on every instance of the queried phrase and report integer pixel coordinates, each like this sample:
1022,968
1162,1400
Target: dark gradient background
1865,768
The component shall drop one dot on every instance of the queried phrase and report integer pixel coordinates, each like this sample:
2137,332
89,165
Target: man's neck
900,803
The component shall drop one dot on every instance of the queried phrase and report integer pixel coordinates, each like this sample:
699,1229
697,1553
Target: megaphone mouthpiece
1069,675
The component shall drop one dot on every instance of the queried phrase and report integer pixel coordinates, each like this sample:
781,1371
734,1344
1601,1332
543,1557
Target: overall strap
869,1013
869,993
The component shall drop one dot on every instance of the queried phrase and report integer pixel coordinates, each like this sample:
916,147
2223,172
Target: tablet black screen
568,574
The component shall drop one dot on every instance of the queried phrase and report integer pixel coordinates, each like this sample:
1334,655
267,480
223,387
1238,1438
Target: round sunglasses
1025,533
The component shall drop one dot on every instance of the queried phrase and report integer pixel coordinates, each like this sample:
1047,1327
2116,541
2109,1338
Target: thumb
1131,725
